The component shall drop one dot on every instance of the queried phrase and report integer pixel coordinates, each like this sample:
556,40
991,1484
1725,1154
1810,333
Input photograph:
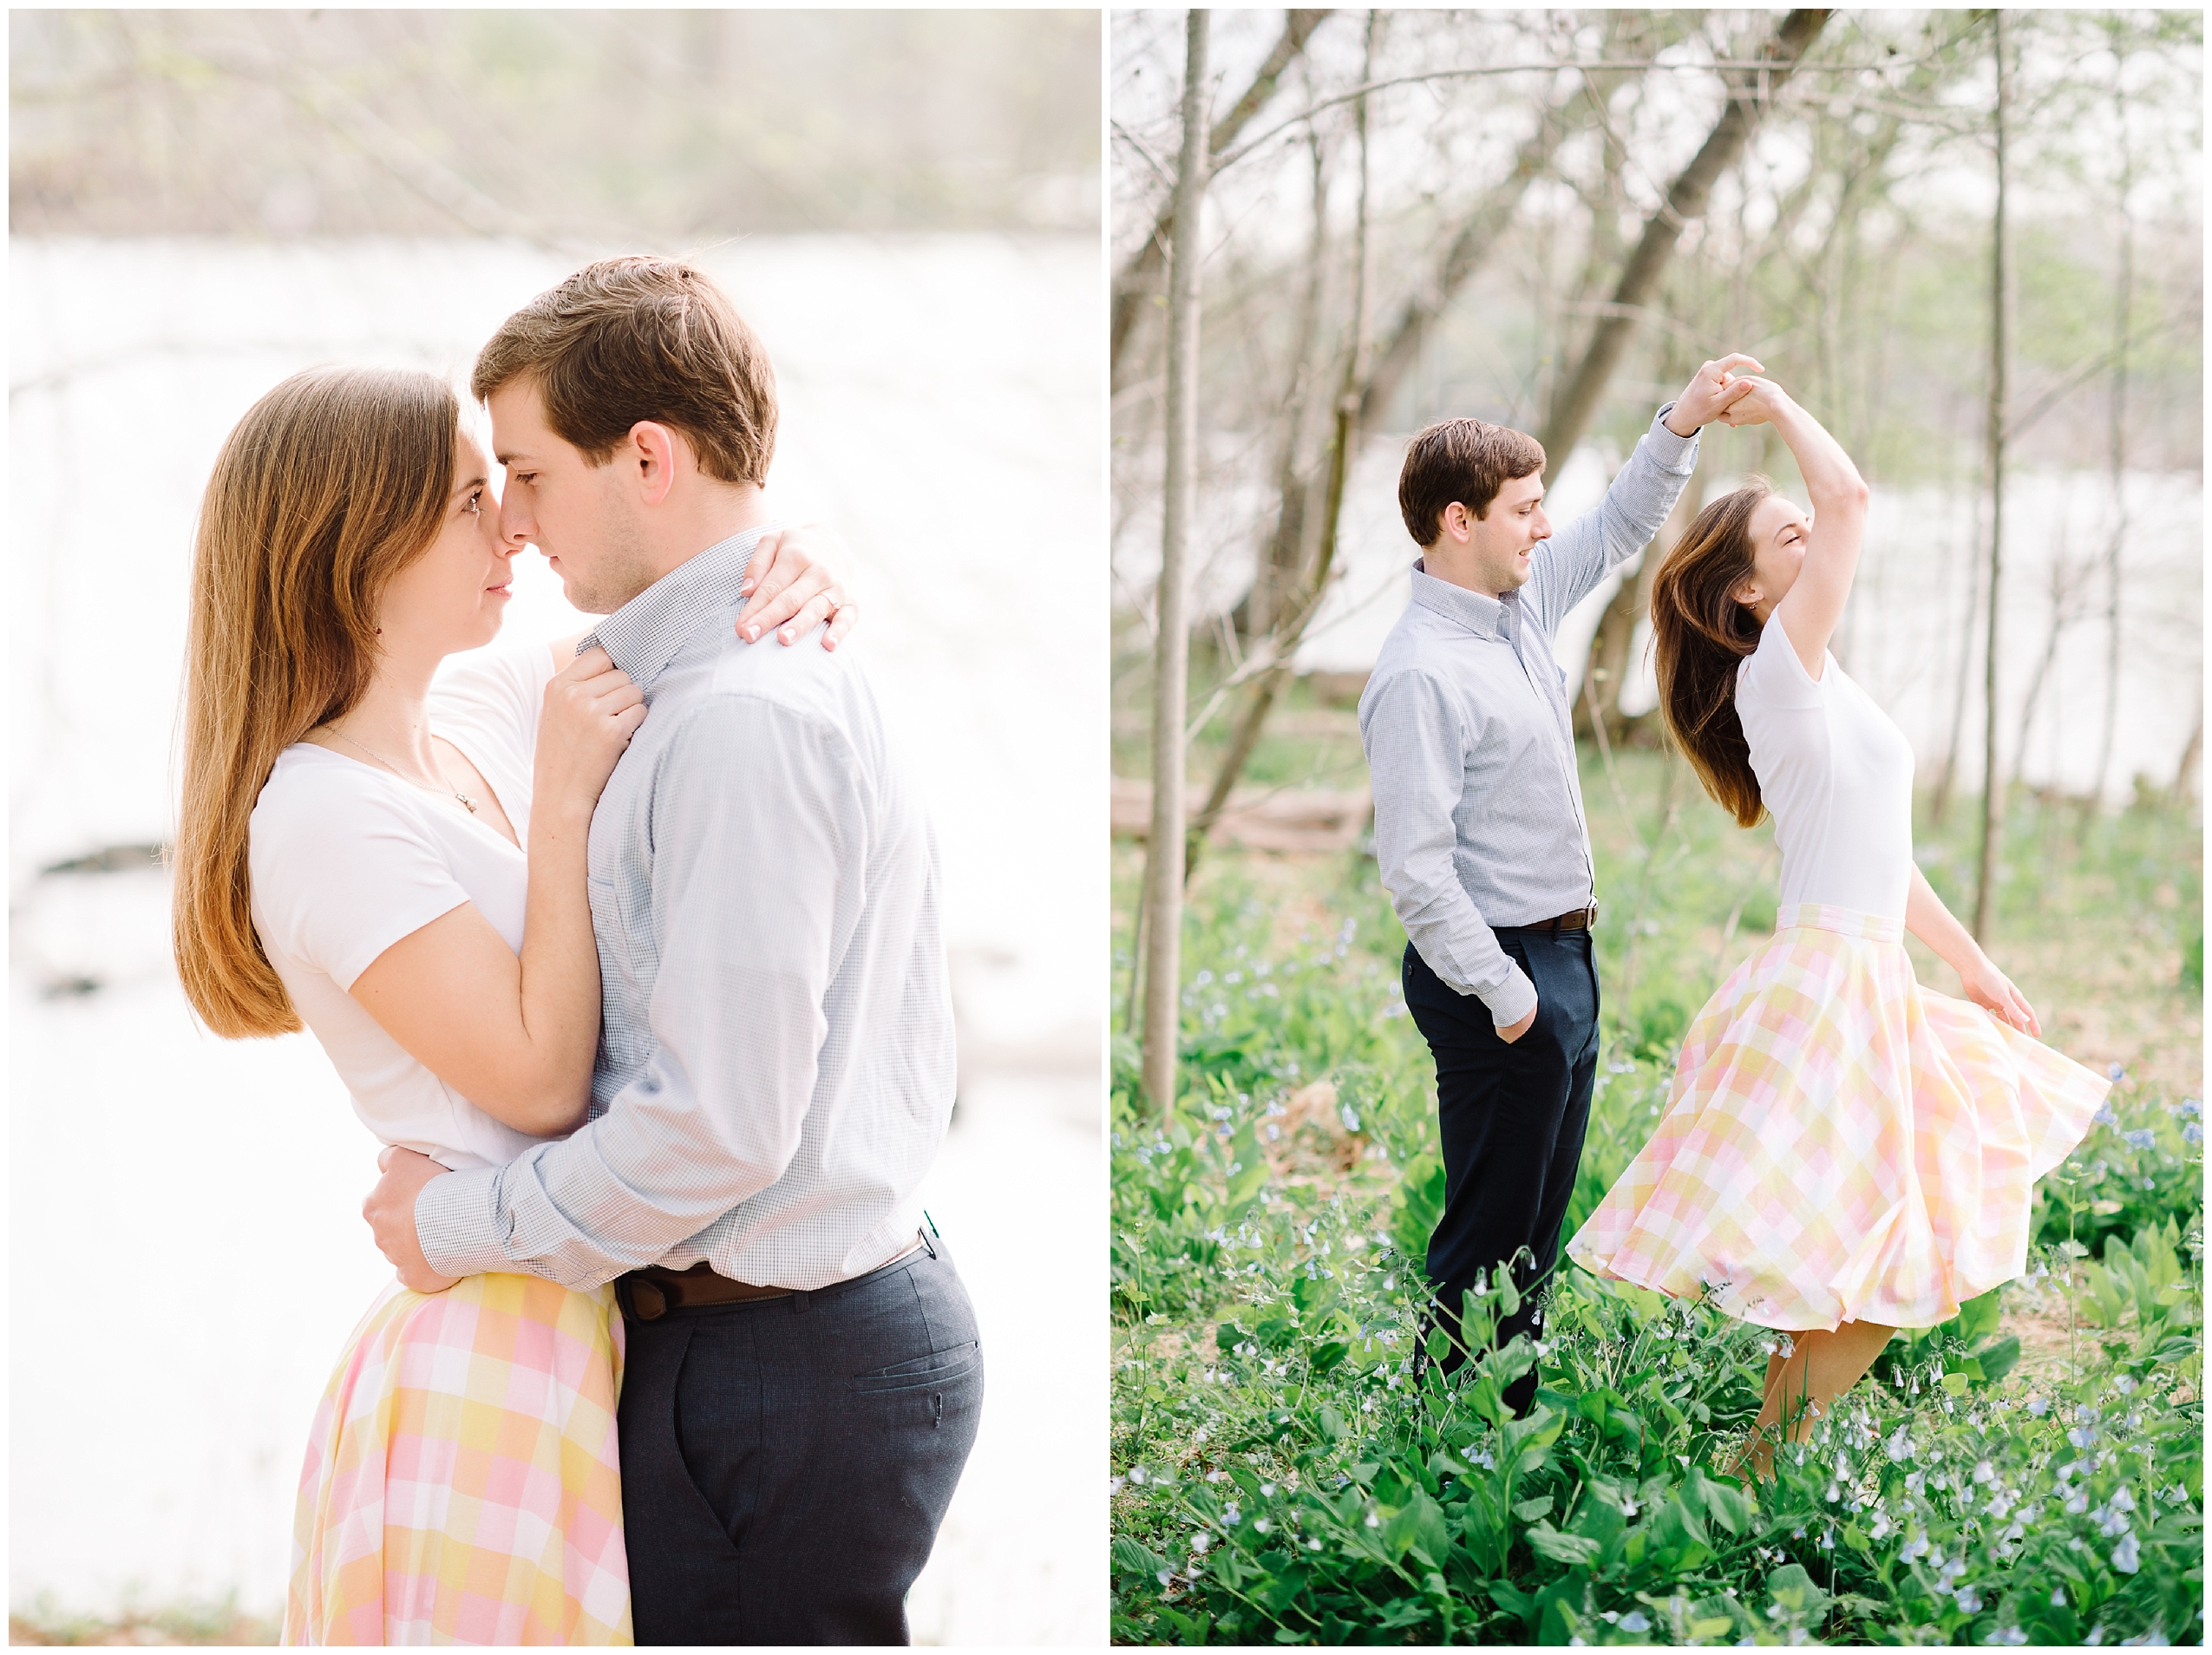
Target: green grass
218,1624
2031,1472
1311,738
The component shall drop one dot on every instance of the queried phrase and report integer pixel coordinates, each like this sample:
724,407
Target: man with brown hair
803,1376
1468,732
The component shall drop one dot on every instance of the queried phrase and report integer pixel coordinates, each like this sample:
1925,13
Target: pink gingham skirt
462,1483
1841,1144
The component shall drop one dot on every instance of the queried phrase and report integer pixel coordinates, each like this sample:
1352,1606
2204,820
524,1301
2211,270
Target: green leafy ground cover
2031,1473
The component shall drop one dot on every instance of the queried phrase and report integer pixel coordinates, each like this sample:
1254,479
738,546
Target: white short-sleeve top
1837,773
345,859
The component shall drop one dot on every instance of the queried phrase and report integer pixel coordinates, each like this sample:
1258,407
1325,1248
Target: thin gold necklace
401,774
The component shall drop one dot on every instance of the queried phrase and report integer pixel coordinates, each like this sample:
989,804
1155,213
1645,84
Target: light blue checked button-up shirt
1468,726
776,1065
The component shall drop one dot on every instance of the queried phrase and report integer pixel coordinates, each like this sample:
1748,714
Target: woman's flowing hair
332,484
1700,634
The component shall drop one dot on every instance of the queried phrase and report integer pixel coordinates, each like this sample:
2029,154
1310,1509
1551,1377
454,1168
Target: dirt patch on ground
1313,1149
2050,1348
1315,1137
2053,1349
1168,1346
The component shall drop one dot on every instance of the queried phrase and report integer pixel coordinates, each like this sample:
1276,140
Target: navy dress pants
786,1462
1512,1119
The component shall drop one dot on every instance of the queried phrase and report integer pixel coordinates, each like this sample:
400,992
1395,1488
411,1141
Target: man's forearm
616,1196
1464,951
1645,489
713,1114
1636,502
1443,922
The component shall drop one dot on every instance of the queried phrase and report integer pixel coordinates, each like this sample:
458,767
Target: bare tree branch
1578,402
1137,279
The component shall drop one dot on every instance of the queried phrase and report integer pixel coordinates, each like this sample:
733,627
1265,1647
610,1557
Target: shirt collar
643,636
1479,614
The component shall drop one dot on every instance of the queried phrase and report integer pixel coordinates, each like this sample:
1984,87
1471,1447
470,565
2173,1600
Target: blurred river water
1914,628
186,1251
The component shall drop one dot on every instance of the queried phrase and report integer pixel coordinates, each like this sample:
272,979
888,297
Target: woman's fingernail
751,632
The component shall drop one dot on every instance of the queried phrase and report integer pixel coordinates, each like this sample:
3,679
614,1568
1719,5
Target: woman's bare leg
1822,1367
1773,1370
1735,1467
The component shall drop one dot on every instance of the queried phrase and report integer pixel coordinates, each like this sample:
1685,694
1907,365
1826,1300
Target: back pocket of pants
938,1367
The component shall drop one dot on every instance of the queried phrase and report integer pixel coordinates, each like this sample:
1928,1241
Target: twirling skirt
1841,1144
462,1483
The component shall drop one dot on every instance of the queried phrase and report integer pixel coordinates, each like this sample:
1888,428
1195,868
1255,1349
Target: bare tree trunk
1993,781
1478,235
2123,301
1164,853
1138,279
1948,774
1280,609
2192,757
1286,641
2063,596
1577,401
1276,577
1611,663
1288,549
1137,933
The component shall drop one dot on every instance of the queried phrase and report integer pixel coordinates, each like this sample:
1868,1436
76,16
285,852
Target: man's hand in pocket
1512,1031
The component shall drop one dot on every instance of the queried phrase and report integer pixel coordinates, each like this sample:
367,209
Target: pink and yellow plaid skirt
462,1483
1841,1144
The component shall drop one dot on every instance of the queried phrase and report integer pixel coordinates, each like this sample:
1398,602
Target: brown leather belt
1580,919
649,1294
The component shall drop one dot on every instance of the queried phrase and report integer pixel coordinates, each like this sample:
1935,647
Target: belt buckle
644,1298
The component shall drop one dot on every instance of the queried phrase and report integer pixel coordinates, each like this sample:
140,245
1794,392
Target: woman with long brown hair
354,820
1843,1153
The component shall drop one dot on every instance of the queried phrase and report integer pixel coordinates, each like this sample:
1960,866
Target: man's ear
652,454
1457,521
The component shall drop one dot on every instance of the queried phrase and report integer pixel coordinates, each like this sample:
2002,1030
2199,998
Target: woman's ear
1748,595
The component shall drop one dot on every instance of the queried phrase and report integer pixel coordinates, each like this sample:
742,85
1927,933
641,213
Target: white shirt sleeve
1772,676
341,870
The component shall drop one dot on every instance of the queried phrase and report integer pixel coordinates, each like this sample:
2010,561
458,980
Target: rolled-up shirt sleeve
1415,745
759,847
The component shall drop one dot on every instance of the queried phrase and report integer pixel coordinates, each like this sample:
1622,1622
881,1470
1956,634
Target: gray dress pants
786,1462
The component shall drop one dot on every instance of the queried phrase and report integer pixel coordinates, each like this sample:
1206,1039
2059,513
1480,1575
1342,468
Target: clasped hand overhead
1711,391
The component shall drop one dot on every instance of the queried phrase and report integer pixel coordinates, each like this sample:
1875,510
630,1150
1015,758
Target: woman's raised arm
1814,604
516,1035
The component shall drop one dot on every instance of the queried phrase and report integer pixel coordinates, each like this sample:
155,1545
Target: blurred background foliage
562,127
1514,164
1850,243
